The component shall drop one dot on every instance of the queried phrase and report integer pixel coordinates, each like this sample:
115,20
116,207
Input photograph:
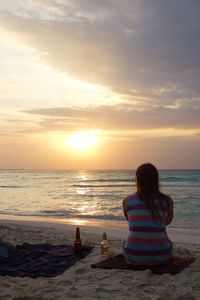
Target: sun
83,140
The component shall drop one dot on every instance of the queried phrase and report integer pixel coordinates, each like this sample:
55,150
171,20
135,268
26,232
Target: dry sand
83,282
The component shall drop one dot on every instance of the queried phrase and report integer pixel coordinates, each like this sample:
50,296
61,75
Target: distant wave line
181,179
180,185
100,186
13,186
107,180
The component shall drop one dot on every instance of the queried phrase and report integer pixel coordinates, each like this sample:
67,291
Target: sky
92,84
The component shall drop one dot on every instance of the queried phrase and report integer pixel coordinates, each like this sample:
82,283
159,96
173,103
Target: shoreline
117,229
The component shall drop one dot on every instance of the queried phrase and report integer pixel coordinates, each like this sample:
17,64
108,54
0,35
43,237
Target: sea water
93,195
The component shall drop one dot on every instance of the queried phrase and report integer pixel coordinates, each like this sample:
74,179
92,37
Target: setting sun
83,140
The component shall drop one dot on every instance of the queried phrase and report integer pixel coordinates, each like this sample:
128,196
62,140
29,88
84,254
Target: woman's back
147,242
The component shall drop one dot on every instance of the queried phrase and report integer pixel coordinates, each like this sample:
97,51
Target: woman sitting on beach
148,211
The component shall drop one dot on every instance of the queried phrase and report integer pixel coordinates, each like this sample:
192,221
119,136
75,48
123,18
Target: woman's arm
125,204
170,214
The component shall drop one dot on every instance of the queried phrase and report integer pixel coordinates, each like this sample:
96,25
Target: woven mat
176,265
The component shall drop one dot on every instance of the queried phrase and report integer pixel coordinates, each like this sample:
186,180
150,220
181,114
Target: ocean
93,195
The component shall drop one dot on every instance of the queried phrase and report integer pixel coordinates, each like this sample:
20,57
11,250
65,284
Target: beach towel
41,260
176,265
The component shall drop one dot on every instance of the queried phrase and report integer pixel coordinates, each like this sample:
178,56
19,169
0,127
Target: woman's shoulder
130,197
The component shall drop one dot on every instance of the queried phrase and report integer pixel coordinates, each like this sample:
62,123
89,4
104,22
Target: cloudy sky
126,71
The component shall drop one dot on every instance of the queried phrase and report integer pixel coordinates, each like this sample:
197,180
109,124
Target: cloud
119,117
147,49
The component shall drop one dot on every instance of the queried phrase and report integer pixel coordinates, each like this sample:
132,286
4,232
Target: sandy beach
81,281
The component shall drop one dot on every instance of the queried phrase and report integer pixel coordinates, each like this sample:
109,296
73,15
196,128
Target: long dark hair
148,187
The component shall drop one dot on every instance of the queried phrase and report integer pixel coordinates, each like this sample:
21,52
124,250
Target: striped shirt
147,242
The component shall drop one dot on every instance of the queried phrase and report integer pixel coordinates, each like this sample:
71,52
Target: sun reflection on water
77,221
81,191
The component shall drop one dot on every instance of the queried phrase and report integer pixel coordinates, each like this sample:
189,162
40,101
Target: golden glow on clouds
83,140
86,142
128,135
28,81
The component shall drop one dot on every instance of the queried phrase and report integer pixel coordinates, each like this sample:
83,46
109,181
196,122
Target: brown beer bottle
77,241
